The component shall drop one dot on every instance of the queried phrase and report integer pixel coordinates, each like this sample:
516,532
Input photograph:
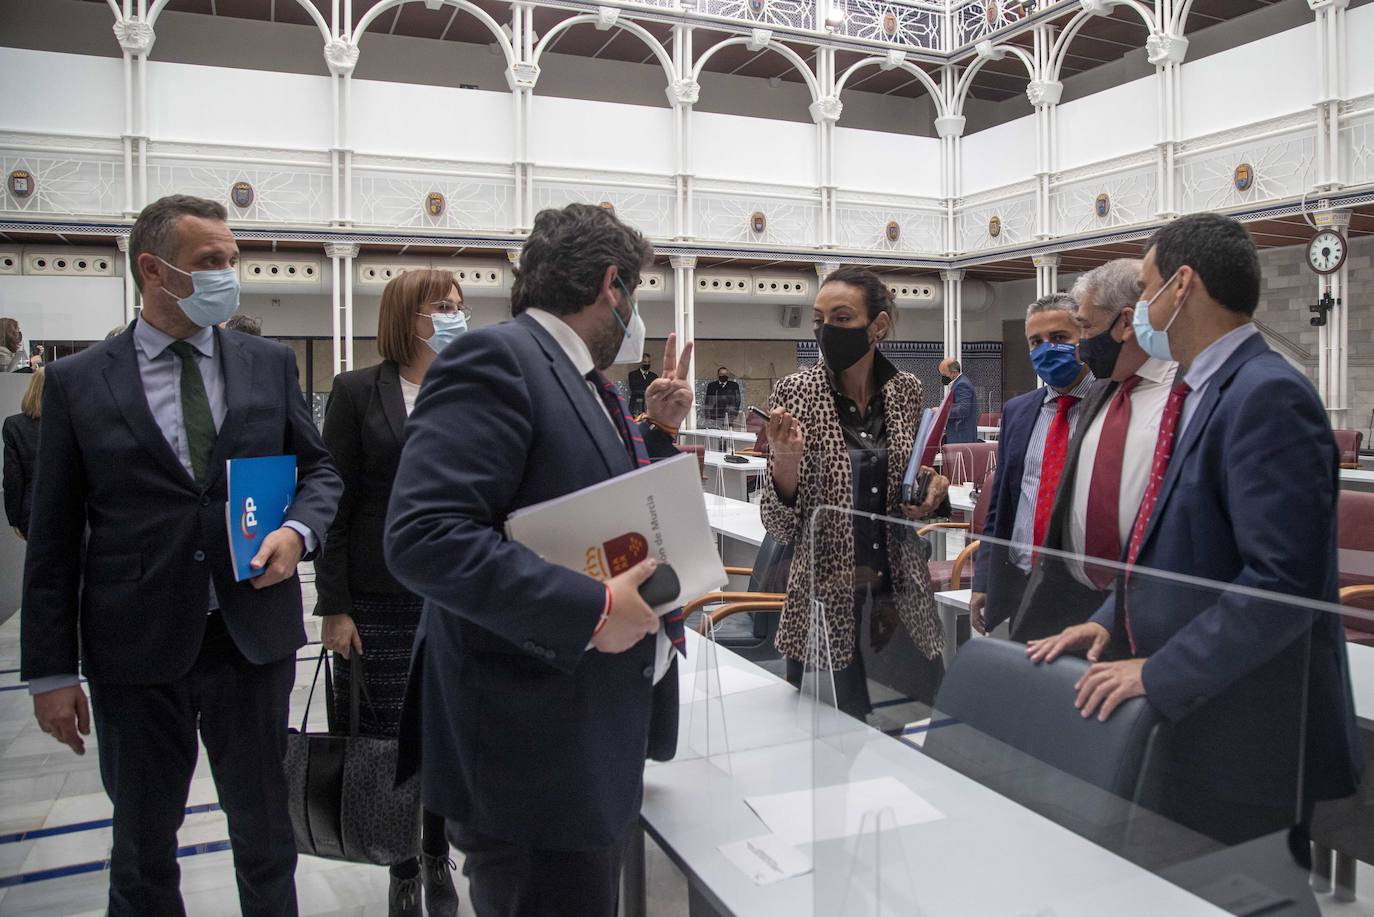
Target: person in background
841,434
962,425
11,346
1109,457
244,324
536,691
365,610
722,400
20,435
1243,491
639,380
1031,450
128,575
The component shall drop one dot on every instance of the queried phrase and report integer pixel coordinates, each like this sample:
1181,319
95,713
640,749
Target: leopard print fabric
826,480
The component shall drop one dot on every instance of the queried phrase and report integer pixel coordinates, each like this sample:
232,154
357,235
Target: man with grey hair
1036,429
1109,459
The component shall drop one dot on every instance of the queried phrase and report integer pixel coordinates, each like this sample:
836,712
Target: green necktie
195,411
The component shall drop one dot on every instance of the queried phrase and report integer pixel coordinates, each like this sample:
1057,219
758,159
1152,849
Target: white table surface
955,598
735,519
750,463
1357,479
1362,680
987,856
988,431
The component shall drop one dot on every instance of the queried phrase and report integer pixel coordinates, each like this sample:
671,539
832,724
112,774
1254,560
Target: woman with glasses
365,609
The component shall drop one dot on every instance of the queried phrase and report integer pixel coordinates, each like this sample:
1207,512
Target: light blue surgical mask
448,327
1153,342
214,295
1057,364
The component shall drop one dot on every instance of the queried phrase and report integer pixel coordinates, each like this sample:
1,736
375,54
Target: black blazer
527,735
364,429
131,608
20,434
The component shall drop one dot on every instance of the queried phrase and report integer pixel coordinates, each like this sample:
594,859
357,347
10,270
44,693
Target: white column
342,255
682,94
1044,94
825,111
1046,275
521,77
684,316
950,128
1167,52
136,38
1333,338
130,290
341,56
1330,22
954,308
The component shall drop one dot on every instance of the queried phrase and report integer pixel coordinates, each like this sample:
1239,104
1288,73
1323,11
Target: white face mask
632,344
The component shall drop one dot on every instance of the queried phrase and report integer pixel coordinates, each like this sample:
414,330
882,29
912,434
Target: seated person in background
841,433
1109,458
962,425
1036,429
722,400
1258,693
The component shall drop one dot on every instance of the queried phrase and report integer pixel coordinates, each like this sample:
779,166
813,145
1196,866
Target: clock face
1326,252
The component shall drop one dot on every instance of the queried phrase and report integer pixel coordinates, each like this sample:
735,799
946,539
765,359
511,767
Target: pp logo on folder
248,522
616,556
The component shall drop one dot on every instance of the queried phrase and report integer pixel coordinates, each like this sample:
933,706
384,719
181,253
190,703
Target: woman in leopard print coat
841,435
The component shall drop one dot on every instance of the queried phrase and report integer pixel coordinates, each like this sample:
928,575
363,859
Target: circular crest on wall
1244,177
241,195
893,231
992,12
435,204
21,183
1102,206
889,23
607,205
994,226
758,222
757,6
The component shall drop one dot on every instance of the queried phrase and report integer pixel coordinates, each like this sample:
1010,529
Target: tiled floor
44,786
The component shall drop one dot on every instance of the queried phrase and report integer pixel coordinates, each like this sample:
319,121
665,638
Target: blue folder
260,493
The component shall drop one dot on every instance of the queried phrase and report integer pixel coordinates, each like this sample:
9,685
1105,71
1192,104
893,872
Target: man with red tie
1109,458
1031,450
1241,492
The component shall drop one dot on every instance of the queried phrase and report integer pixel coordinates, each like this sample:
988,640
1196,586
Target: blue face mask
448,327
1155,343
1057,364
214,295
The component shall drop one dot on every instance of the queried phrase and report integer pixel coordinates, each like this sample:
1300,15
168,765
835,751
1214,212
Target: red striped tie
1052,465
1102,537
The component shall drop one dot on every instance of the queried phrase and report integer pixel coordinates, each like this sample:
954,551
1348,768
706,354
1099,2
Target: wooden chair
1355,538
1348,445
949,574
766,595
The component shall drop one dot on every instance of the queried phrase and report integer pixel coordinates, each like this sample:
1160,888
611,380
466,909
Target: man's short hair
1113,286
1219,249
955,367
244,324
155,230
1055,302
566,256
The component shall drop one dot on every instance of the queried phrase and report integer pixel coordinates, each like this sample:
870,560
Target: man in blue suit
962,425
1032,450
1244,495
541,690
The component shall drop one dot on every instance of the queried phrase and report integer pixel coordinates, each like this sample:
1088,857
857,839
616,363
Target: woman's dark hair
1219,249
567,254
877,297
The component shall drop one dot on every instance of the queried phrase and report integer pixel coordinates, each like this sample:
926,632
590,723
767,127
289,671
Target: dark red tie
1103,536
1052,465
1164,449
673,621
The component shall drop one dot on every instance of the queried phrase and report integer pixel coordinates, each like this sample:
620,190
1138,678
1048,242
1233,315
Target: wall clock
1326,251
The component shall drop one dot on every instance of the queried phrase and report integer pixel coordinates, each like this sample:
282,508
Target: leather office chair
968,463
990,419
1348,445
752,636
1355,538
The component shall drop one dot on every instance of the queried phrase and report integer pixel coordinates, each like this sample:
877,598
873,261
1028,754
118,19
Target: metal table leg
1321,869
1345,877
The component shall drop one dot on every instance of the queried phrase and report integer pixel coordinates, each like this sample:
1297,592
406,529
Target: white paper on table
766,859
732,681
831,812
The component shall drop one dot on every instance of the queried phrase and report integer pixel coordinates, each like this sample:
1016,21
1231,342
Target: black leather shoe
441,898
403,900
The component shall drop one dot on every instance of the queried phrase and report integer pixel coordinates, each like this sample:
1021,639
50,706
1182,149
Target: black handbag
345,803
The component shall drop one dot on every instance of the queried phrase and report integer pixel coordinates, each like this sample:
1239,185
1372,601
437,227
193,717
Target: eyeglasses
449,307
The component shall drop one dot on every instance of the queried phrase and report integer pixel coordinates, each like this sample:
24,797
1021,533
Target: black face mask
644,366
723,378
1099,352
945,380
842,347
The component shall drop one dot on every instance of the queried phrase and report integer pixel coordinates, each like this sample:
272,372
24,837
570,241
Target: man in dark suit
1257,690
639,380
1031,448
128,573
962,426
722,400
540,689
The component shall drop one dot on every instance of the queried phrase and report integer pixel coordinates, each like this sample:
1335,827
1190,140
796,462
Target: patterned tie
1103,536
1052,465
196,416
673,621
1164,449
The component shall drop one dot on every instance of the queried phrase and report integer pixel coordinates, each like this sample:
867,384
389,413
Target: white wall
1359,62
221,105
1263,79
439,122
892,163
61,93
753,149
1000,155
63,308
1107,124
606,136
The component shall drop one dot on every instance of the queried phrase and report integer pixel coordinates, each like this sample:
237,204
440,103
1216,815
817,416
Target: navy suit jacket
527,735
132,605
1249,499
993,570
962,425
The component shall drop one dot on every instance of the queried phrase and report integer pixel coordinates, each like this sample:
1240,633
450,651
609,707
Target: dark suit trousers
147,742
507,880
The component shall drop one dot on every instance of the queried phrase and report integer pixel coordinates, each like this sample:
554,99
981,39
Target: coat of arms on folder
616,556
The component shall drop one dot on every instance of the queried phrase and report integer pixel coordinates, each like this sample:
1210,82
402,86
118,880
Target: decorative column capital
341,249
1098,7
683,261
988,51
759,39
826,108
513,256
122,243
825,268
950,125
606,17
1318,5
1332,219
952,276
341,56
135,36
683,92
522,76
893,59
1044,92
1161,49
1045,261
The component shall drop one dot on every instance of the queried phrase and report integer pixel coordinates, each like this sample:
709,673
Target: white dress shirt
1147,408
409,392
1023,527
581,358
